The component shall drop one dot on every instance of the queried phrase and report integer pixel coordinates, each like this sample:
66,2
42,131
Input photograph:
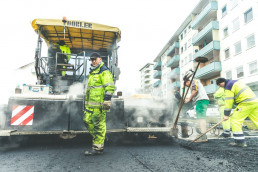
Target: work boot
225,135
202,139
243,145
93,152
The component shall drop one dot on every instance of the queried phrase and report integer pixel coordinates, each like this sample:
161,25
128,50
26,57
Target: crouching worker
220,97
199,96
100,88
247,106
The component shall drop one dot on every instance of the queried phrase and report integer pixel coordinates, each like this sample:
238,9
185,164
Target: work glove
106,105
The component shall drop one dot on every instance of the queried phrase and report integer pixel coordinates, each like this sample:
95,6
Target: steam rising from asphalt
148,112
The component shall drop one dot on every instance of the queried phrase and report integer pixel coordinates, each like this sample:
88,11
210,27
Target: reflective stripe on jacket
238,92
100,83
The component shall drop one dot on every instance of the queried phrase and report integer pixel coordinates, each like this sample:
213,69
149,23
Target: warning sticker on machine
22,115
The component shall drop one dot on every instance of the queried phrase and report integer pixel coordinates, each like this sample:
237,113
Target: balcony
207,51
147,75
157,83
157,66
210,11
174,73
147,85
157,75
210,89
174,61
206,33
175,84
147,80
209,71
171,49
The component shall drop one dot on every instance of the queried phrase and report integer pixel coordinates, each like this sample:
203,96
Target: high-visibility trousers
95,121
241,112
225,124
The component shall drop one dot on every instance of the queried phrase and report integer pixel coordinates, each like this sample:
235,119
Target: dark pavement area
50,153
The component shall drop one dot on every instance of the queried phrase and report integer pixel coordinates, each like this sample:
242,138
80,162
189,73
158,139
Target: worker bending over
219,95
247,106
198,95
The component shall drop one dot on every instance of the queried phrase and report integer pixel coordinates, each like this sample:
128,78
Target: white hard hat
188,75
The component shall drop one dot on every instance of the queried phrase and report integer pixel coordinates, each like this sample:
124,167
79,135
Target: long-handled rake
174,129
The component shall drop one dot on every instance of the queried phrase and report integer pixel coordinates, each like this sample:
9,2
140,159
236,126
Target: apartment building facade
238,35
222,31
147,78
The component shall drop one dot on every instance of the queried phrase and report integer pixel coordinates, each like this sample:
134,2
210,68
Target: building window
228,75
250,41
238,48
182,49
224,11
185,46
227,53
234,3
248,15
253,68
189,28
236,24
240,72
181,36
225,32
185,32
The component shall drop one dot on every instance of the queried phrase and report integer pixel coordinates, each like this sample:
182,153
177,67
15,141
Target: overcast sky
146,26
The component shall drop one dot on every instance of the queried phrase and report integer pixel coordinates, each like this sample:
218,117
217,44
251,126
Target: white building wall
247,55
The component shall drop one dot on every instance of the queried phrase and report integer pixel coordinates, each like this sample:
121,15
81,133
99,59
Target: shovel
188,145
207,131
174,129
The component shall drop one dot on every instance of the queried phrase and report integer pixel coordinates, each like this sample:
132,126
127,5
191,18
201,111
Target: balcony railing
209,71
175,84
210,89
174,61
208,12
157,66
157,83
174,73
213,25
157,75
207,51
171,49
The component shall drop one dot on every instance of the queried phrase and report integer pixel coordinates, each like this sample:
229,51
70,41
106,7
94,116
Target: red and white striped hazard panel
22,115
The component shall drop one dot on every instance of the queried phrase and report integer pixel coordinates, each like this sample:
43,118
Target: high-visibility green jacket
219,95
100,86
238,92
65,49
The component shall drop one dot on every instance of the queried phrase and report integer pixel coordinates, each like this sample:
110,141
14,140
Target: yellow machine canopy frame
78,35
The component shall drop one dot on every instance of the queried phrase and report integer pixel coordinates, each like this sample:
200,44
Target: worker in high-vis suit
219,95
99,91
64,58
247,106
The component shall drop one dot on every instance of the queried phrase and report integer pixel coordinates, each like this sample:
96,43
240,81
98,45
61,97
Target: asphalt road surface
49,153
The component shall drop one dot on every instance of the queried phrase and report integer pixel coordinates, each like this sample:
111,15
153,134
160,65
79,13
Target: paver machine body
55,104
